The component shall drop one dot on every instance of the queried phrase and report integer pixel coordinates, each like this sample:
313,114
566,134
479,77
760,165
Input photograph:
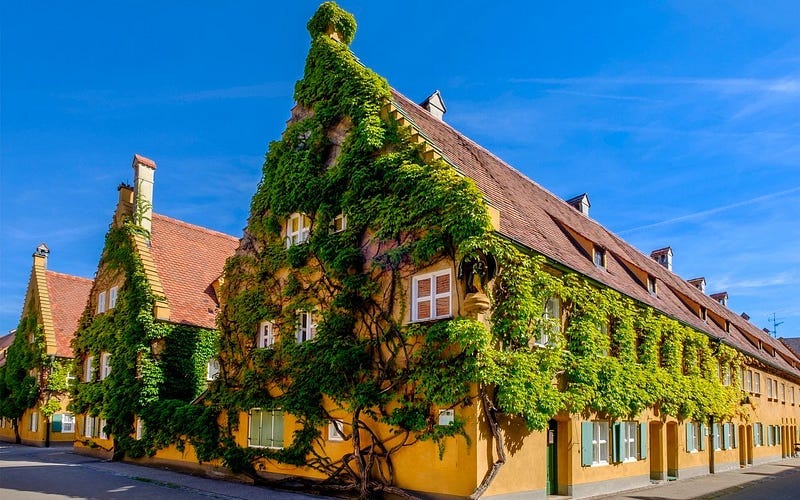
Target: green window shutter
769,435
689,432
255,425
56,421
735,436
726,440
587,436
643,440
618,436
701,440
265,434
277,429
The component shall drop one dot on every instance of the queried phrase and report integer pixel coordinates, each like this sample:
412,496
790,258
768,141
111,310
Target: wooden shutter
255,428
735,436
277,429
424,298
643,440
618,436
587,436
56,421
443,295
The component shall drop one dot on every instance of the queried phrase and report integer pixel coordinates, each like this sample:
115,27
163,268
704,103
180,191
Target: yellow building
407,310
37,364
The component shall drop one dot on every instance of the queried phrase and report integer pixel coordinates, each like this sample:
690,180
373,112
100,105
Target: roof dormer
663,256
434,104
699,283
580,203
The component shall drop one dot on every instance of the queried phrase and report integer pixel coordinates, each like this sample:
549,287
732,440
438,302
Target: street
27,472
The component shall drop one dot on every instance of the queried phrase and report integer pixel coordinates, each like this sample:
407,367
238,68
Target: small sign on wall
446,417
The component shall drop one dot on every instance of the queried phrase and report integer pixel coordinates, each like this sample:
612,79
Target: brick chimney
663,256
143,172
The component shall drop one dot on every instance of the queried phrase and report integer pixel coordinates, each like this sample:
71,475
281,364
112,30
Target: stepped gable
541,221
189,259
68,297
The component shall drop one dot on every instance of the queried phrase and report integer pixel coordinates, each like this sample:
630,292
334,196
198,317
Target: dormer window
339,223
298,229
651,285
599,257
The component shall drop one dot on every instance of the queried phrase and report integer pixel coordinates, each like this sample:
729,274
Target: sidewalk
739,483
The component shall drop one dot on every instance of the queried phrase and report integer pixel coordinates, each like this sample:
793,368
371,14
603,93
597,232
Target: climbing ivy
157,368
338,155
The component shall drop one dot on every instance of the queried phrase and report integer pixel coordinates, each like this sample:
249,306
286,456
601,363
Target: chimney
434,104
699,283
746,316
124,204
580,203
143,172
663,256
721,297
40,256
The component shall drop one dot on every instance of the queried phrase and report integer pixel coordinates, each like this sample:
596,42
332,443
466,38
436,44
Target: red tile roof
68,297
536,218
188,260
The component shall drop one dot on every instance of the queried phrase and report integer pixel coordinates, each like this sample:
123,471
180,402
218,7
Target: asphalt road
51,473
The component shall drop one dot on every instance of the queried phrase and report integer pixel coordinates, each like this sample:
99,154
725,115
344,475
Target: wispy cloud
783,278
786,85
600,96
705,213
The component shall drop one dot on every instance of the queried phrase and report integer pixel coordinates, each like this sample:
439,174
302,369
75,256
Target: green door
552,458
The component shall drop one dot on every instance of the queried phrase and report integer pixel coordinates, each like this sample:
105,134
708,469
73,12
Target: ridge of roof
68,297
69,276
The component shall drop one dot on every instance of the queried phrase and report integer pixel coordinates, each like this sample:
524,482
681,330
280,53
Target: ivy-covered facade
35,368
407,312
146,343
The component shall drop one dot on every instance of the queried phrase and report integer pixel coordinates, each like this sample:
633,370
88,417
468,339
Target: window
769,388
266,334
783,393
599,257
139,428
758,434
748,381
67,422
33,424
651,285
90,426
112,298
105,365
791,394
757,383
339,223
775,389
102,429
728,439
726,375
551,324
101,302
298,228
629,437
212,369
431,296
266,429
693,437
306,328
336,430
594,443
32,337
88,369
717,437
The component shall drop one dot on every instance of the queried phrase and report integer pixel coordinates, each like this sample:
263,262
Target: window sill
265,447
598,464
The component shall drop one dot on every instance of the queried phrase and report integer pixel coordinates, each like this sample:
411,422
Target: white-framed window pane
748,381
212,369
630,450
339,223
336,430
600,443
432,296
101,302
139,428
112,297
306,327
105,365
68,422
298,228
101,431
266,334
757,383
34,422
89,426
88,371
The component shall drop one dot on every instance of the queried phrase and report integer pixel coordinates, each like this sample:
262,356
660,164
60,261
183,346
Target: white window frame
717,429
112,297
601,442
748,381
33,423
67,423
301,235
101,431
306,326
139,428
694,446
273,415
88,426
630,442
757,383
336,430
758,434
105,365
434,296
551,322
599,257
266,334
101,302
775,389
769,388
88,369
212,369
339,223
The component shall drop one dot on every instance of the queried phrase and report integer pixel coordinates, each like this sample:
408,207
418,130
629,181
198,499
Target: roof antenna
775,325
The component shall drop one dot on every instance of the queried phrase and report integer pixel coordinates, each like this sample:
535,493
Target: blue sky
680,119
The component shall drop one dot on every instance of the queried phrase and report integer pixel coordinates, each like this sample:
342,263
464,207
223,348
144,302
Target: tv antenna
775,325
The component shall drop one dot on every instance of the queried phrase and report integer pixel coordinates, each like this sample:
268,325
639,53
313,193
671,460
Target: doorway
552,458
672,450
743,446
658,471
